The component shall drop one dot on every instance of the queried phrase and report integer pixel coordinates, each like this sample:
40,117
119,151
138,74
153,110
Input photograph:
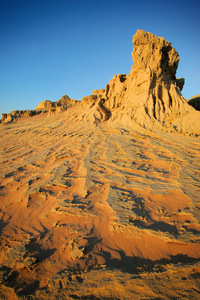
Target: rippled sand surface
98,212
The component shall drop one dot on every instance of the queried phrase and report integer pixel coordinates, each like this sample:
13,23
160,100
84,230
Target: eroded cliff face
150,96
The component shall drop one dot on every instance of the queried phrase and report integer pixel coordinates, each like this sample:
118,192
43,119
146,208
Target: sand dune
98,211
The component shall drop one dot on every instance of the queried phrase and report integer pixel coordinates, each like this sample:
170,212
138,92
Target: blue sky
51,48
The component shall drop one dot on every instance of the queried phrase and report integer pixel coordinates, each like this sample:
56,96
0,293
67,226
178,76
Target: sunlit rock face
154,54
150,95
64,102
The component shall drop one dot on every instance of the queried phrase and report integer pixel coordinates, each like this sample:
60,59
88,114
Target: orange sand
101,212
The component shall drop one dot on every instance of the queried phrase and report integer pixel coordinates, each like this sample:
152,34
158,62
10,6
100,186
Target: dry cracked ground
98,212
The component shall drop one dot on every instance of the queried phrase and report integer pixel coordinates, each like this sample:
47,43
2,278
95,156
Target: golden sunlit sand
96,205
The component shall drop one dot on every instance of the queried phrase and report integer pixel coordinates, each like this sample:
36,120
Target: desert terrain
100,199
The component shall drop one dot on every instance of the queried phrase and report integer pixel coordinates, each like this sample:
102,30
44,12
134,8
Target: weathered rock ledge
45,106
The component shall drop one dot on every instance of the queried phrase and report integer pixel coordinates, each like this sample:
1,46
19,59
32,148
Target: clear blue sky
51,48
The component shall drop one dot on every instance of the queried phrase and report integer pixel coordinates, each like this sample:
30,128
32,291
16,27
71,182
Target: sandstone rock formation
45,106
15,114
64,102
151,94
195,102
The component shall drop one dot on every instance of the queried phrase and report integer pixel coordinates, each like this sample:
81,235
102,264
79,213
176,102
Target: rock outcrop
15,114
150,96
195,102
45,106
60,105
150,93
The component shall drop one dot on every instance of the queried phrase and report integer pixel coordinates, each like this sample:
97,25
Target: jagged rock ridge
45,106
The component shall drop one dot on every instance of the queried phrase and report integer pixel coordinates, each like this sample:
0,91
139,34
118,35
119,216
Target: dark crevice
154,106
170,99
